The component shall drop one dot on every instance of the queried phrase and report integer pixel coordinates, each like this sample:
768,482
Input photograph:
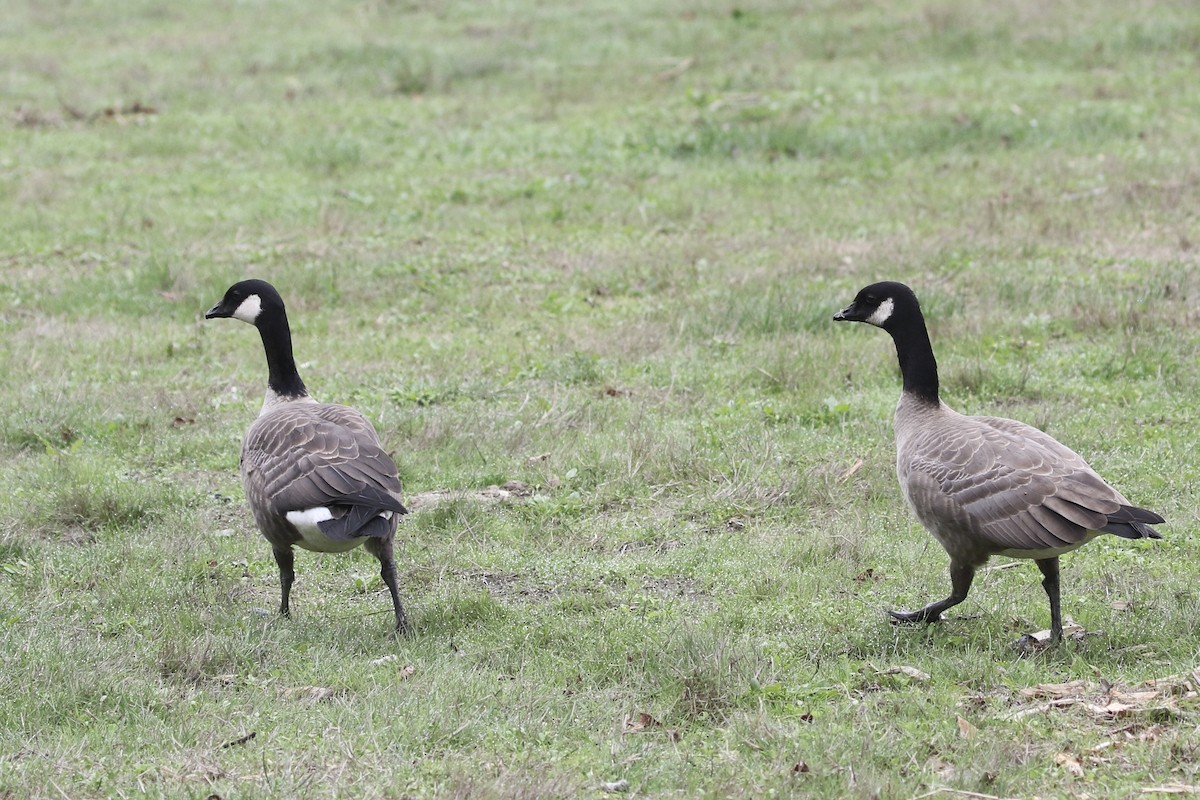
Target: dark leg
382,549
285,559
961,576
1049,568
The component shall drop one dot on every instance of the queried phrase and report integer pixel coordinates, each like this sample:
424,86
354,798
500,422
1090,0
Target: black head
247,300
883,305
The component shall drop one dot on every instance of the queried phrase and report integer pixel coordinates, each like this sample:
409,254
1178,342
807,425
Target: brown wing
306,455
1013,486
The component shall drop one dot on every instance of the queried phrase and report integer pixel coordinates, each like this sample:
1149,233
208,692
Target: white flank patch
306,523
309,517
877,319
249,310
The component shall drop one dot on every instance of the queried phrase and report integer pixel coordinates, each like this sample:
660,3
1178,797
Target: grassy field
591,252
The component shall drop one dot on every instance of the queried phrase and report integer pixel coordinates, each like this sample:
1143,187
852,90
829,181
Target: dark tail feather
376,528
362,521
1132,522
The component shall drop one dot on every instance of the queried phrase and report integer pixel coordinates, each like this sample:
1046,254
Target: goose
986,486
315,474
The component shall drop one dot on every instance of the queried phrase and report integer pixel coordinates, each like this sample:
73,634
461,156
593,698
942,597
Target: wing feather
305,455
1006,484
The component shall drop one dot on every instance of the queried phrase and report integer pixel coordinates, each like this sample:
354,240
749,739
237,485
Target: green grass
595,249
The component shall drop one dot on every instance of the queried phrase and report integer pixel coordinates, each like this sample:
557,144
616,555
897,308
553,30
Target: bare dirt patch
511,492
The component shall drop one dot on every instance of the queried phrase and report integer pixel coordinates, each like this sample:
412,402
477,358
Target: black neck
284,379
917,364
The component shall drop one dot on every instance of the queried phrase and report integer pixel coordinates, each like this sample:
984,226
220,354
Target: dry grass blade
1172,788
849,472
908,672
948,791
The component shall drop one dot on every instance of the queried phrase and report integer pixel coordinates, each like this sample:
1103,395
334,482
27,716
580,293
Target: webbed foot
1031,643
911,617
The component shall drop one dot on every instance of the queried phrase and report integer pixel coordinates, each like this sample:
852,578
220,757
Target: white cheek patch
249,310
881,315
